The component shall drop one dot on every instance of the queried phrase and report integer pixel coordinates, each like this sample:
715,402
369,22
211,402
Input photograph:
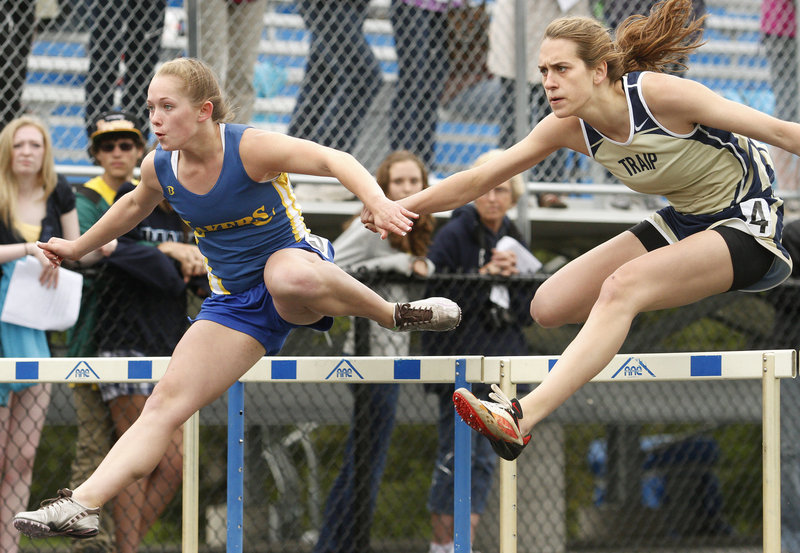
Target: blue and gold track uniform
238,224
710,177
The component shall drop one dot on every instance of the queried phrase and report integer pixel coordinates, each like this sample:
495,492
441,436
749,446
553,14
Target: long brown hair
419,239
651,42
9,185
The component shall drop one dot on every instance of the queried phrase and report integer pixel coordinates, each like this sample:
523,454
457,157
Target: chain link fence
629,466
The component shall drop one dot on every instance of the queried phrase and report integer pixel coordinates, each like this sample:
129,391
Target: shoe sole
480,419
34,529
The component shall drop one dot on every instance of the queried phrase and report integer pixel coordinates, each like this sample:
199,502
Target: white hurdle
768,366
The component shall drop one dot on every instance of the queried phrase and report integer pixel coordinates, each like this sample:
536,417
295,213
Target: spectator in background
347,521
342,75
778,28
468,244
230,32
502,63
16,39
34,205
134,306
126,31
420,38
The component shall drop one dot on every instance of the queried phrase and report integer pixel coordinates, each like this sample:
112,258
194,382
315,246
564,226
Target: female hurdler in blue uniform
267,272
658,134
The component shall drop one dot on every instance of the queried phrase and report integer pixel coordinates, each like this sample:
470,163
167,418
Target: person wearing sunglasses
150,266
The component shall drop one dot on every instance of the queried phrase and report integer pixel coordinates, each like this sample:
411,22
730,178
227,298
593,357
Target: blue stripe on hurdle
705,365
550,364
284,369
406,369
27,370
140,368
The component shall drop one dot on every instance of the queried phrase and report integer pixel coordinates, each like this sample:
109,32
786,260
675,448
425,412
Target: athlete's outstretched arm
122,216
679,104
265,154
460,188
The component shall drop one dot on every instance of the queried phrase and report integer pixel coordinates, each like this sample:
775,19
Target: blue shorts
253,312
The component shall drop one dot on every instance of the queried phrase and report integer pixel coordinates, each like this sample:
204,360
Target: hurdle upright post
508,477
235,509
191,484
771,455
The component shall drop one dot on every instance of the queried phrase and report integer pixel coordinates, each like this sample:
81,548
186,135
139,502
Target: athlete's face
405,178
565,77
172,115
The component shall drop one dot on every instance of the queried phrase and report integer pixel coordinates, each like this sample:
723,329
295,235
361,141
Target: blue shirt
239,223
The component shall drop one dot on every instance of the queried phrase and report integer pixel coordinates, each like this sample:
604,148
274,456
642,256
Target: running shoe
429,314
60,516
498,420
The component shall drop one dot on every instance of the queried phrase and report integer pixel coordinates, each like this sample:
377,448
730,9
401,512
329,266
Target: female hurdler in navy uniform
267,272
658,134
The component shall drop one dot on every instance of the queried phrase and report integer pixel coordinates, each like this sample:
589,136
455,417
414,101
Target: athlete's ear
206,110
600,72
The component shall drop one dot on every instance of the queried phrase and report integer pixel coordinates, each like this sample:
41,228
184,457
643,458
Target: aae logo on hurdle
344,371
633,367
82,371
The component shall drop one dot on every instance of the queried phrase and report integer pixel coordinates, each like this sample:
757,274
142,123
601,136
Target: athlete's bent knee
618,289
547,312
295,284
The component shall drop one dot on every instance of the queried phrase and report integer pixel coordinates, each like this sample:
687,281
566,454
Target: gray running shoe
60,516
429,314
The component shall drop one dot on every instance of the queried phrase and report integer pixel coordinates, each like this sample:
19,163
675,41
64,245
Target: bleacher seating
731,62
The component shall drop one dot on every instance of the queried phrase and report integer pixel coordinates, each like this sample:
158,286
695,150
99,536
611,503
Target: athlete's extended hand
57,250
385,216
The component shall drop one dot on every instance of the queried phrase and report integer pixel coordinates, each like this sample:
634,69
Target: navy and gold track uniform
710,177
238,224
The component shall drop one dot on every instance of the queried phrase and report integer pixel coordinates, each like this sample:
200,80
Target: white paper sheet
30,304
527,264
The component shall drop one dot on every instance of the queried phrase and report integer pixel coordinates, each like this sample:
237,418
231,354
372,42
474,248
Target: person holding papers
34,205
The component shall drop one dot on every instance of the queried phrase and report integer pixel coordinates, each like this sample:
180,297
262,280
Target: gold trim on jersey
293,211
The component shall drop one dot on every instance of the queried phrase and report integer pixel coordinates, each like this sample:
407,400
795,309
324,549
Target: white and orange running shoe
498,420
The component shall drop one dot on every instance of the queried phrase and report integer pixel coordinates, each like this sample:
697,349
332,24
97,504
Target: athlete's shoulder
149,175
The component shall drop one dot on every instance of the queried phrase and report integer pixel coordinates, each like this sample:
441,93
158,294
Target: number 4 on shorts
757,215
